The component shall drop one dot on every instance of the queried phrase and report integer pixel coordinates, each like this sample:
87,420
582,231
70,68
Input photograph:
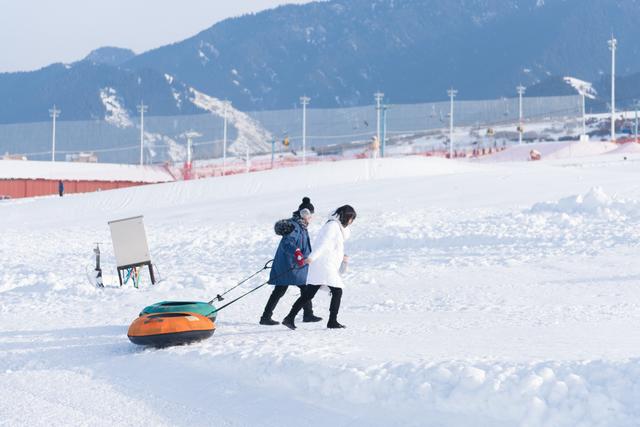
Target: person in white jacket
325,263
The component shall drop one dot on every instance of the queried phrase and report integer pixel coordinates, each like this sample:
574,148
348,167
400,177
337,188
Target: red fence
18,188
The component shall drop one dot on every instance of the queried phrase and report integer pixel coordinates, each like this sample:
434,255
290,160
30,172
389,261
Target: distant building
82,158
20,178
8,156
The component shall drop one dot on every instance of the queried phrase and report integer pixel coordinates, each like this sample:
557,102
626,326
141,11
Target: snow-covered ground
492,294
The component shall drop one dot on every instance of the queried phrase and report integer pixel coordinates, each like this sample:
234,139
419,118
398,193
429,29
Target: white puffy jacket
327,255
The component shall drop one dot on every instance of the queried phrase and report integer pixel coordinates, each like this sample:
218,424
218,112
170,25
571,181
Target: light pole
385,108
142,109
189,151
521,90
304,100
586,90
379,96
273,151
637,105
452,94
224,137
613,45
54,113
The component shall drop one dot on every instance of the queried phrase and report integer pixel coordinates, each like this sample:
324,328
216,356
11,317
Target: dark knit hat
306,204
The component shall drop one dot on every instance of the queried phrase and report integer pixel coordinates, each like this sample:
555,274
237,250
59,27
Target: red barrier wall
18,188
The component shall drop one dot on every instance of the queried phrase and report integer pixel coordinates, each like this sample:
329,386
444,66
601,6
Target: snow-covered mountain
339,52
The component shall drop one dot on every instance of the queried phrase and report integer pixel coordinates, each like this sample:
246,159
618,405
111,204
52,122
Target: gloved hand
299,257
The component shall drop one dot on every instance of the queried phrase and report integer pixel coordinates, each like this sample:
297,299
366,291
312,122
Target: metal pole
379,96
304,100
54,113
189,150
613,44
142,109
521,90
248,158
584,115
273,151
224,139
452,94
384,130
637,140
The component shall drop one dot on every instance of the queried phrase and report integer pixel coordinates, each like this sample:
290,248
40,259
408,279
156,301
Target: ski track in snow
503,293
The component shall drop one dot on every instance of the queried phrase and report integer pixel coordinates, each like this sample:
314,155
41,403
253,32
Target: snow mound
629,148
552,151
595,202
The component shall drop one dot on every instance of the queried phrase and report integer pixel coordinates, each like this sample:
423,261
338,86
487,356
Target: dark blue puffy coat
285,257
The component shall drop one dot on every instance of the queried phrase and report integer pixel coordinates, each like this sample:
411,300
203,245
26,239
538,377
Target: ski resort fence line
329,131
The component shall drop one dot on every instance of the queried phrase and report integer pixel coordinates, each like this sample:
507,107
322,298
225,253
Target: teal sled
202,308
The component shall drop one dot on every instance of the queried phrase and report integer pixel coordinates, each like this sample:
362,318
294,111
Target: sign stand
130,246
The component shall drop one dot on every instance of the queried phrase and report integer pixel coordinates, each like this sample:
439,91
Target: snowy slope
503,293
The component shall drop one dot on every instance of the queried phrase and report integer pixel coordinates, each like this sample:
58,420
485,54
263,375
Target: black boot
333,324
288,322
278,292
311,318
268,321
334,308
307,306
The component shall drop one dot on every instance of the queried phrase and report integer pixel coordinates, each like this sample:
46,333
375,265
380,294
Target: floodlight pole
54,113
637,105
613,45
584,114
385,108
521,90
224,138
452,94
379,96
304,100
142,109
189,150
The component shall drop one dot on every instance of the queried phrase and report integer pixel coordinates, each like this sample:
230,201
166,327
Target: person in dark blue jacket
285,271
60,188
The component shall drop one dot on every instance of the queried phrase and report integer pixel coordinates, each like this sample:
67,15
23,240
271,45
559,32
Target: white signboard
129,241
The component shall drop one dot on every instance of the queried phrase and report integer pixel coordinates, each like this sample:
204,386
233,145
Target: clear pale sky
35,33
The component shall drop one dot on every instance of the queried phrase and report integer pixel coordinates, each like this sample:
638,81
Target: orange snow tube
167,329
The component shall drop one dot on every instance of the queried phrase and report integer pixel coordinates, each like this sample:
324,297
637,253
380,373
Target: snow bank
551,151
595,202
628,148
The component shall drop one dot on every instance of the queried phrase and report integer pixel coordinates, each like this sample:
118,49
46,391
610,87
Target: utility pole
584,115
379,96
273,151
142,109
304,100
613,45
226,106
189,150
521,90
452,94
385,108
54,113
637,104
248,160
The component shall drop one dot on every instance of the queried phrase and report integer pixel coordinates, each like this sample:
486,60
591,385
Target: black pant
278,292
308,292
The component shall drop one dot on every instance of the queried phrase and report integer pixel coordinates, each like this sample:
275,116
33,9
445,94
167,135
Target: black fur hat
306,204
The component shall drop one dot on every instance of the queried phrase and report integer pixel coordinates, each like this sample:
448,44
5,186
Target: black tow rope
220,297
258,287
